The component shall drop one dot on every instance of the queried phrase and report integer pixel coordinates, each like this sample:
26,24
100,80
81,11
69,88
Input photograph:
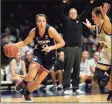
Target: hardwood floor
59,99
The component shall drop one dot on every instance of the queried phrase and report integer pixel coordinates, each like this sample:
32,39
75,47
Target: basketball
11,50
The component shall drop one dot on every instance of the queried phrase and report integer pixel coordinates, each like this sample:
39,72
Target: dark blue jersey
42,42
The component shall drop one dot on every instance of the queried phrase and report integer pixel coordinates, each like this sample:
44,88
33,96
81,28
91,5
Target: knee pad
101,77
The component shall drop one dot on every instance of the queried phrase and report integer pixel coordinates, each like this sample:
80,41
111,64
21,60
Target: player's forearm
91,27
20,44
106,18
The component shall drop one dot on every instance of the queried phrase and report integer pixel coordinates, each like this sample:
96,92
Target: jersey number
44,45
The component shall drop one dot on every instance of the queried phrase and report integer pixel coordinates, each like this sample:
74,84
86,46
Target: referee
72,26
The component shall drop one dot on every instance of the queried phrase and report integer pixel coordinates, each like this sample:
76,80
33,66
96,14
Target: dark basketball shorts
46,62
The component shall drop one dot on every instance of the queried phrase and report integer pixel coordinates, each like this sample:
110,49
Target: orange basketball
11,50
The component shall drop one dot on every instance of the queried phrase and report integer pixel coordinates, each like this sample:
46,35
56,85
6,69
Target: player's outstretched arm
27,40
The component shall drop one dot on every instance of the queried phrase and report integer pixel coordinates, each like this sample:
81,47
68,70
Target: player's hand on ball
11,50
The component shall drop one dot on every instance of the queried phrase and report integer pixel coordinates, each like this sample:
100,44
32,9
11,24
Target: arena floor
56,99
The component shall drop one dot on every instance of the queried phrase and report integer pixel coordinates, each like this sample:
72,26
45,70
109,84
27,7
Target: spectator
85,72
28,59
5,60
24,49
59,68
93,61
17,69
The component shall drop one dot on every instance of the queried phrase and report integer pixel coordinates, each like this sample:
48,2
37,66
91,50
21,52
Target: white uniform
105,41
85,68
18,70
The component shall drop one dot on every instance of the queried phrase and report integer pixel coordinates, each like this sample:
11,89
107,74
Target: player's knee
100,77
30,78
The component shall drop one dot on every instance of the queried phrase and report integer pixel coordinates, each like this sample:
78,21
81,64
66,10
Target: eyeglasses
72,13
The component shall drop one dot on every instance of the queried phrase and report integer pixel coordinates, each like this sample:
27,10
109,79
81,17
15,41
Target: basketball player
104,31
44,37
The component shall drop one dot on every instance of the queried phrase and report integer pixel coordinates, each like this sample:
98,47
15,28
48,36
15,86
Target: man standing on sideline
72,27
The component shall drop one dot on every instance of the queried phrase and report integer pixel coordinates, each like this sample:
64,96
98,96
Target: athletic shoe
27,95
20,86
27,98
53,88
59,88
80,92
67,94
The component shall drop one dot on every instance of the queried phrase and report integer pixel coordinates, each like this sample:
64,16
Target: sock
25,82
26,92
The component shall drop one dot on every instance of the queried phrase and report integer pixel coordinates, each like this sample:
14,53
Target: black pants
72,60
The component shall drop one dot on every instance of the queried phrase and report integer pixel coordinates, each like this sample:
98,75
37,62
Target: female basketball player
44,37
103,29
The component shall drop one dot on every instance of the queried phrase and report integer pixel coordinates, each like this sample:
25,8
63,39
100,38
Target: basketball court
17,98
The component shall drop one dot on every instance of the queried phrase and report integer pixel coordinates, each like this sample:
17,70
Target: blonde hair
97,11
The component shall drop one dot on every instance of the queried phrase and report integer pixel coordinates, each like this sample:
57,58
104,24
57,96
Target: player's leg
42,73
33,85
33,69
32,72
109,85
102,75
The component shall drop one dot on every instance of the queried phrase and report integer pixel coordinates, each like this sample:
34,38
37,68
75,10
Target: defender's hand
87,23
105,8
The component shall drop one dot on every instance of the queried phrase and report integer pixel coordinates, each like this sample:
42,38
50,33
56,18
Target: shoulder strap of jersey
101,27
47,27
36,31
97,29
